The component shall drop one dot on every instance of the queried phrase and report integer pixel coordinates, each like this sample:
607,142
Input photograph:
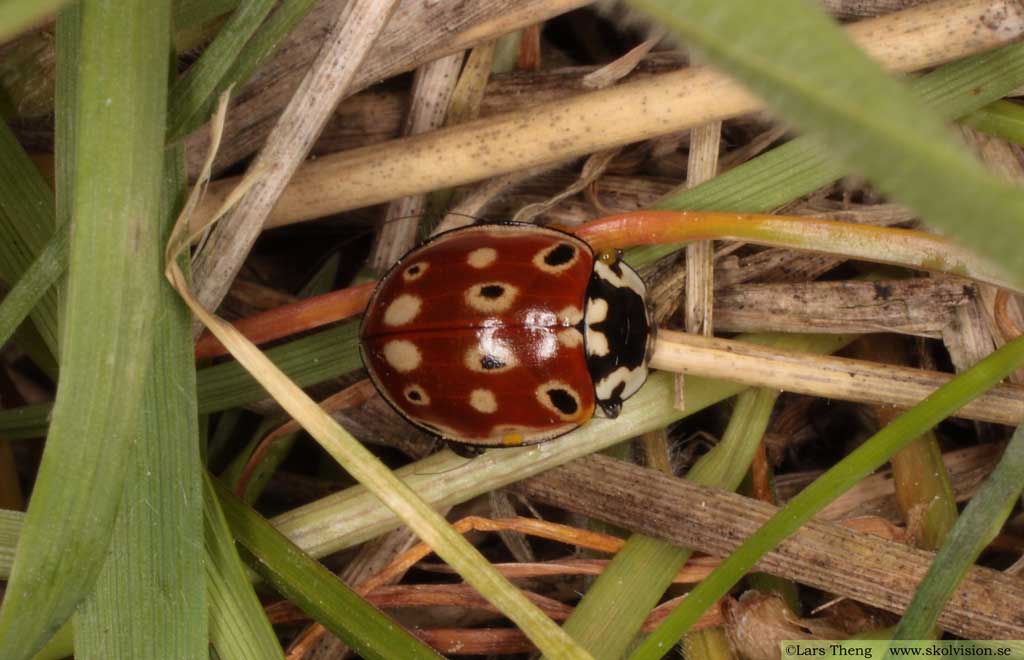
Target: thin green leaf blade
239,629
1003,119
33,285
192,93
117,186
10,529
980,522
313,588
190,13
215,77
26,224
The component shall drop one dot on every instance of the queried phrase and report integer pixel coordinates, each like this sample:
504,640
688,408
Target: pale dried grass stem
921,37
326,82
432,88
821,376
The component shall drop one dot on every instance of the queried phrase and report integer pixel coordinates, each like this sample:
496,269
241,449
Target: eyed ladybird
506,334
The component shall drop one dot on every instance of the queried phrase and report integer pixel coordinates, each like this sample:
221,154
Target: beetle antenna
482,220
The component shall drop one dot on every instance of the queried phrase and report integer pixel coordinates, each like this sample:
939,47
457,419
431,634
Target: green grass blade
1002,119
307,361
26,224
974,529
234,65
36,281
192,93
803,165
239,629
318,592
10,529
149,601
609,616
61,645
18,15
29,421
617,603
861,462
190,13
117,187
792,55
321,282
274,455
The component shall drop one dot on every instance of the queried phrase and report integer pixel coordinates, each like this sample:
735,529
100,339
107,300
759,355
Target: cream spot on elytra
402,355
491,297
490,357
402,309
416,395
556,258
483,401
559,398
415,271
482,257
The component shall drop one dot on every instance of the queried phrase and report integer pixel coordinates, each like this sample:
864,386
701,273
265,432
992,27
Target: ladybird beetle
506,334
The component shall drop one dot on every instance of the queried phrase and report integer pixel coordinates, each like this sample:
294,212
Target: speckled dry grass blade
803,65
417,33
609,617
111,297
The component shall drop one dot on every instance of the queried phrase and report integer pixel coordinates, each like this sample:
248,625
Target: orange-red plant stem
286,320
901,247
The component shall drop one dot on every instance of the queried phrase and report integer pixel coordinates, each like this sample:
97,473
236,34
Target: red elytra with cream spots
482,335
